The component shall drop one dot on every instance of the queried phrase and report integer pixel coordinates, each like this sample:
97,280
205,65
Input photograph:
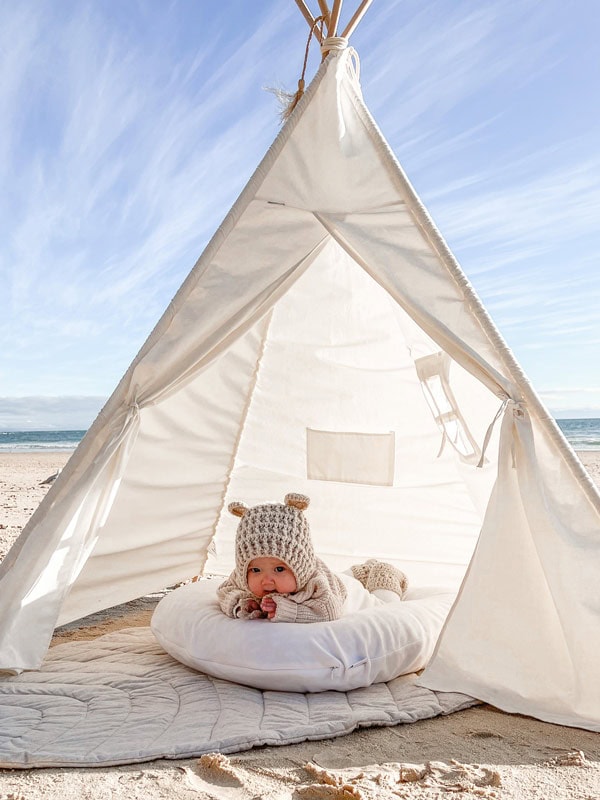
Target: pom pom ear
237,508
299,501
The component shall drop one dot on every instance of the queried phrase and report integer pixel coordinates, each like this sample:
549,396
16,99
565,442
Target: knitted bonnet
276,530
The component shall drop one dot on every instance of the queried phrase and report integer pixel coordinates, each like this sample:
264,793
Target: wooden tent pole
334,18
325,11
356,18
305,11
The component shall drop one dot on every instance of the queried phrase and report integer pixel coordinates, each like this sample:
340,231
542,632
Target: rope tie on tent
334,43
518,411
292,100
133,414
488,433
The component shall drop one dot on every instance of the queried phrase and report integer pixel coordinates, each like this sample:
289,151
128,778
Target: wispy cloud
440,55
580,401
536,212
140,155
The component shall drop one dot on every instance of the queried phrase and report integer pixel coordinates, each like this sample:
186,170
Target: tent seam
243,418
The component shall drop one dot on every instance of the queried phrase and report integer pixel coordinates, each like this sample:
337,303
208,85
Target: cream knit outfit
280,530
375,575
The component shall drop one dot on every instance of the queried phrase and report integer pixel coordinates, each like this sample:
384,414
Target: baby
278,576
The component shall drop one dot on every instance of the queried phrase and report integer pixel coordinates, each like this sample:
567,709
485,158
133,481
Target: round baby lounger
366,647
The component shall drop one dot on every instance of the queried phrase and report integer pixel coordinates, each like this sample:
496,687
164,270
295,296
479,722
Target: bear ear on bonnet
237,508
299,501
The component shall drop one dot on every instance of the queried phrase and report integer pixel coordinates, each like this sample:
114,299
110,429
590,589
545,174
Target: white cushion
366,647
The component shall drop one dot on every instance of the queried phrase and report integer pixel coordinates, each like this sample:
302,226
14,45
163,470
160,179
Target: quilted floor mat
121,699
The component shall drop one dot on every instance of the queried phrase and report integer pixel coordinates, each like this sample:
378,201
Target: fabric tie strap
488,433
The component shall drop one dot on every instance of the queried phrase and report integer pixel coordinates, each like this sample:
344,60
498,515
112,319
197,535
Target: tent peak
328,44
330,20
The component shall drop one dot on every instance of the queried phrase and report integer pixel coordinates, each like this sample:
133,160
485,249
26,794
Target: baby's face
267,575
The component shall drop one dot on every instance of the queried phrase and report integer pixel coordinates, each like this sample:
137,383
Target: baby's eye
280,568
254,569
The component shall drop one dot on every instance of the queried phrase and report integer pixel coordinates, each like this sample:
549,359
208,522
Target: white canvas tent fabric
327,342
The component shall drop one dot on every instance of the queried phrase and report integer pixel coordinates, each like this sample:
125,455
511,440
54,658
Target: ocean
38,441
583,434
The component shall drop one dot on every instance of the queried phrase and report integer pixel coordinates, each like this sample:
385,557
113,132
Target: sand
480,752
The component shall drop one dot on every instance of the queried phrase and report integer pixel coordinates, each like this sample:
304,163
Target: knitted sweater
320,600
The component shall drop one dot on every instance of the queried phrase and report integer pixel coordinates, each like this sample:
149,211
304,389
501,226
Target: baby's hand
253,609
269,606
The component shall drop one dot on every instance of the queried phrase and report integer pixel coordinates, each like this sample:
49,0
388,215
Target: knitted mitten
375,574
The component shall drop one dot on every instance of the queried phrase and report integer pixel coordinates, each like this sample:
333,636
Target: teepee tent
327,342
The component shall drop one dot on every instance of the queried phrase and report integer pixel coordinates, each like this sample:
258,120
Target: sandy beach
480,752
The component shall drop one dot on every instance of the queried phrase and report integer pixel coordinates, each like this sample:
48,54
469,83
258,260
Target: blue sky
128,130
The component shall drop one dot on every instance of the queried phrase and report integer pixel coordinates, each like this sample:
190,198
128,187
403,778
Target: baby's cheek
254,585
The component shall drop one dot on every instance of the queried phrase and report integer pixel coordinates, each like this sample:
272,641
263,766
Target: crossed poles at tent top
331,18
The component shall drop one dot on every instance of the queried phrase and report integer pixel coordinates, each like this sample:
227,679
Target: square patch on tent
351,457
